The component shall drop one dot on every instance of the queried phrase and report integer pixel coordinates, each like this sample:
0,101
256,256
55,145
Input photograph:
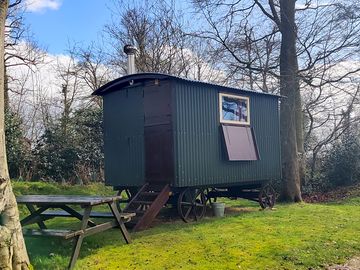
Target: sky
55,23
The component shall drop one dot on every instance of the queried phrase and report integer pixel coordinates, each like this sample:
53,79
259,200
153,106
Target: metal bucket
218,209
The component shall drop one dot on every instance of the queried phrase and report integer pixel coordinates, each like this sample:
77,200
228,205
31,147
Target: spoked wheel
191,204
267,196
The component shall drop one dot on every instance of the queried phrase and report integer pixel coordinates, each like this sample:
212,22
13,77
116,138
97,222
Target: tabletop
65,199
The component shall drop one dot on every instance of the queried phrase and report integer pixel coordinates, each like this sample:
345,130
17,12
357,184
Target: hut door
159,165
124,137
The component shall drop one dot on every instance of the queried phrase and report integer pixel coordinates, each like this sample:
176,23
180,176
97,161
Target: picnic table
40,207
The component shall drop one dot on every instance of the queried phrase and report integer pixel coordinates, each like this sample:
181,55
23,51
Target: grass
294,236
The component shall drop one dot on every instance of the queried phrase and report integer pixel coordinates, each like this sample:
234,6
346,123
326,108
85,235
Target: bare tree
94,69
229,27
157,30
22,58
153,29
249,47
20,48
327,120
12,246
265,43
68,73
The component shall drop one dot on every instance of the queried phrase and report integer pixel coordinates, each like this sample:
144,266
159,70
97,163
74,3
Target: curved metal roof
141,77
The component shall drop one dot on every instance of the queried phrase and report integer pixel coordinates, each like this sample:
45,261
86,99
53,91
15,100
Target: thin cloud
42,5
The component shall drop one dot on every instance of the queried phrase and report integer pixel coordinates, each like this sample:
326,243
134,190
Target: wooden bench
61,213
66,234
39,206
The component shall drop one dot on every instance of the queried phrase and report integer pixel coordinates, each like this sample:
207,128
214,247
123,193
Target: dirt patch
235,210
334,195
171,216
353,264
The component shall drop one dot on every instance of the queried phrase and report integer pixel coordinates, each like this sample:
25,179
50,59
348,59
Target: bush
317,182
56,155
18,148
73,153
88,127
342,166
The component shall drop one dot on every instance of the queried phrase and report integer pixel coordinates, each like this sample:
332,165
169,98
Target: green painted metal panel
200,158
198,147
124,137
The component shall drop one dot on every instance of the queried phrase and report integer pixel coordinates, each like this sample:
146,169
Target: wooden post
80,238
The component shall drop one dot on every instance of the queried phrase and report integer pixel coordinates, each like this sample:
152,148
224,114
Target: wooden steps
147,203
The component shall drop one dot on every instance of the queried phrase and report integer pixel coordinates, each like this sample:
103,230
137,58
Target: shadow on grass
54,253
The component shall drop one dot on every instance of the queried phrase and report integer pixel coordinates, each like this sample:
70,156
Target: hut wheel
191,204
267,196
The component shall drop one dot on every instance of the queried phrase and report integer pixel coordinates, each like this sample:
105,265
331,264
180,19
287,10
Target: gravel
352,264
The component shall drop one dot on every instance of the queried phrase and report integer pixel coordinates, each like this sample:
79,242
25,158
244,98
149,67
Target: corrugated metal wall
199,153
124,137
200,158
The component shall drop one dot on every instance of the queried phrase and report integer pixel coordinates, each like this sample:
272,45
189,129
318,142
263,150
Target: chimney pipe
130,51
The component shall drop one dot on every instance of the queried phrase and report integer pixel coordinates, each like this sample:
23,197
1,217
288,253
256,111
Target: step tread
143,202
151,193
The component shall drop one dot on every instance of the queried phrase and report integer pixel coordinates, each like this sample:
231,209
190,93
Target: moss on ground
293,236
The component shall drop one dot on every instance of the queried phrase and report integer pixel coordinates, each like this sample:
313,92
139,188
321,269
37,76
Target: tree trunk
13,253
289,87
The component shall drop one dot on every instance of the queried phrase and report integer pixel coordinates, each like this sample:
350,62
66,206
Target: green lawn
293,236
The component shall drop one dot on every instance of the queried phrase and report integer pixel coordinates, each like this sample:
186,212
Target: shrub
88,127
342,165
56,155
18,148
75,153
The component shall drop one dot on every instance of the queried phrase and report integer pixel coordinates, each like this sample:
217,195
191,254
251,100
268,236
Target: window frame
247,99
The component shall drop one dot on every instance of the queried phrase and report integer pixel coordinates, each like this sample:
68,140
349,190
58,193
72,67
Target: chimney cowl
130,49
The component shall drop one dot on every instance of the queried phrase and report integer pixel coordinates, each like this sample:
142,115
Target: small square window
234,109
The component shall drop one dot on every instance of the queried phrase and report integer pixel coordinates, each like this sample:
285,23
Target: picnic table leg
80,238
118,193
123,229
40,223
34,217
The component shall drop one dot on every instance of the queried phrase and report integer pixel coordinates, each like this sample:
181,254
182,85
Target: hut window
234,109
240,143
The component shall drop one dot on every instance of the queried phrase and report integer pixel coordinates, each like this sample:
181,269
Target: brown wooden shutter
240,143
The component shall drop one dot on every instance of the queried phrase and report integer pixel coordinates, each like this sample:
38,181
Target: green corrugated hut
191,136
